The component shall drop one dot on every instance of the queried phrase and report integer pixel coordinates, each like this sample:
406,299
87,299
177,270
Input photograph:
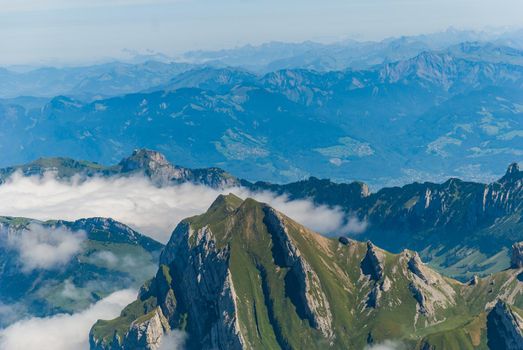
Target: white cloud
175,340
320,218
63,332
386,345
137,202
107,257
41,247
355,226
11,313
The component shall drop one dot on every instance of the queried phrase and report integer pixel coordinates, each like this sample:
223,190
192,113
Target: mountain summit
245,276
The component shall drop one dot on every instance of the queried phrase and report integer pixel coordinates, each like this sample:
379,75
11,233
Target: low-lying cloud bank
386,345
63,332
154,211
175,340
41,247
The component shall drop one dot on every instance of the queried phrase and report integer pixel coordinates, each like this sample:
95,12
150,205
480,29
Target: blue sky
81,31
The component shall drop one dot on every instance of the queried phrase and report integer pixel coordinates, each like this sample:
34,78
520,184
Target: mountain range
460,228
345,54
88,82
144,71
451,115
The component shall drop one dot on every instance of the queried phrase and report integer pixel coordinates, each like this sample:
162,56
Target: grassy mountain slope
243,275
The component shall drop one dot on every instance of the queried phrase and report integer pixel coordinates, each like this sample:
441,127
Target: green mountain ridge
244,276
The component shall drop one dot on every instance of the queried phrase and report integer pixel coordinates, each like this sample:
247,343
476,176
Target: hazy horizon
80,32
132,56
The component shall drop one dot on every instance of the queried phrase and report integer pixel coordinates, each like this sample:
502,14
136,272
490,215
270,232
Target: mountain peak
226,202
144,159
513,173
255,276
516,260
513,169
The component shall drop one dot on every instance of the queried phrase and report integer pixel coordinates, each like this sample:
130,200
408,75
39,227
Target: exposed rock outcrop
344,240
474,280
516,260
161,172
311,297
147,334
504,328
418,294
431,291
372,264
416,266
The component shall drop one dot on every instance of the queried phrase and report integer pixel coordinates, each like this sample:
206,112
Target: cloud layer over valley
64,332
41,247
154,211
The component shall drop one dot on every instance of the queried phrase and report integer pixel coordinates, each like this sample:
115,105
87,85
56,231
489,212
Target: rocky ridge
244,276
146,162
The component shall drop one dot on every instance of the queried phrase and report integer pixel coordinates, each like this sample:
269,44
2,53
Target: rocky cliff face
193,290
311,298
372,266
244,276
505,328
452,205
154,165
516,260
207,294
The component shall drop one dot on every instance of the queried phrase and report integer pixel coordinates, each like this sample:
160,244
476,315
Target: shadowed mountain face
243,275
436,114
55,267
